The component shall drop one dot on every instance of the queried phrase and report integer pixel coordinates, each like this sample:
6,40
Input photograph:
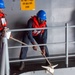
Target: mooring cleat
54,66
50,69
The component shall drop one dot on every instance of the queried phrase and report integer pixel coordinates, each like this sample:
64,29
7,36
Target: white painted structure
62,71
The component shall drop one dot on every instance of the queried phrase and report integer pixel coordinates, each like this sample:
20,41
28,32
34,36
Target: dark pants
24,50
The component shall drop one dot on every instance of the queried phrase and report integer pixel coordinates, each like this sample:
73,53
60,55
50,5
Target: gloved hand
5,31
6,28
43,51
34,47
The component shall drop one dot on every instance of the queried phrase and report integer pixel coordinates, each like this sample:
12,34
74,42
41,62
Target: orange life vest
2,21
37,25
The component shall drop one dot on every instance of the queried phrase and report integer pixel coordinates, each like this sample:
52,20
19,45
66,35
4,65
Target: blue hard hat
41,14
2,6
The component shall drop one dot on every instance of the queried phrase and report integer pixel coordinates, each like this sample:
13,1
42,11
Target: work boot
22,65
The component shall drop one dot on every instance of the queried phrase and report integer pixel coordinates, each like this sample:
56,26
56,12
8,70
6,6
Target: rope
26,44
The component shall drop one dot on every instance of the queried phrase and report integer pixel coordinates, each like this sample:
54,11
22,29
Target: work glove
34,47
3,32
43,51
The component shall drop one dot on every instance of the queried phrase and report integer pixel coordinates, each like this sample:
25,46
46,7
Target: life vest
3,22
37,25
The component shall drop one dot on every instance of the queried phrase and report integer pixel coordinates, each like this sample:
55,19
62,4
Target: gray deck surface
36,65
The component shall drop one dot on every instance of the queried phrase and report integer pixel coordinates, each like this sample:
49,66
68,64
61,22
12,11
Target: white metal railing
6,67
27,29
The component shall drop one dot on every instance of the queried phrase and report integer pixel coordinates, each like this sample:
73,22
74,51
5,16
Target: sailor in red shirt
2,28
3,22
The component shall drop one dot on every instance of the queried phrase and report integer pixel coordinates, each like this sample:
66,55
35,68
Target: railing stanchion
7,65
66,43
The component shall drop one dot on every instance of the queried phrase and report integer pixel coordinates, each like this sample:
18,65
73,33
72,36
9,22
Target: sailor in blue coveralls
40,36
